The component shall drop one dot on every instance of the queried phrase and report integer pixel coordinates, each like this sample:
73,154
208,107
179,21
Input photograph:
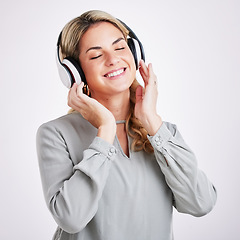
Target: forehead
100,34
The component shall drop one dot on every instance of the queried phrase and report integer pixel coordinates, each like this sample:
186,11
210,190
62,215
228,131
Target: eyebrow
98,47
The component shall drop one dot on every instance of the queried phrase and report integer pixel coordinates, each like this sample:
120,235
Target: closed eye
122,48
92,58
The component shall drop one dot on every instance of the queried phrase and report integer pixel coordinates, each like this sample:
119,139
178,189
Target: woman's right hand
93,111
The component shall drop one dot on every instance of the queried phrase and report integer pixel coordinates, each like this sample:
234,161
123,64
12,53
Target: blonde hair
71,35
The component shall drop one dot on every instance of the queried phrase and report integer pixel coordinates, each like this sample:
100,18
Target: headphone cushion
75,69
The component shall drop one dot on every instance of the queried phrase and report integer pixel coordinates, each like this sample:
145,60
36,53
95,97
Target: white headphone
71,72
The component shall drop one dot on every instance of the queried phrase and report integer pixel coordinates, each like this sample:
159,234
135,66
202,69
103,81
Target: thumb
139,93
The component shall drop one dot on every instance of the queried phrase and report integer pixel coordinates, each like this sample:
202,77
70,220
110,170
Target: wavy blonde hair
69,45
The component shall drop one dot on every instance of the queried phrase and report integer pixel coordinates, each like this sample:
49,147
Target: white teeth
113,74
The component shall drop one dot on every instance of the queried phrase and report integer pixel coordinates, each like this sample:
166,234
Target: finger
80,89
71,90
150,70
143,67
143,74
139,93
152,76
143,70
74,87
72,95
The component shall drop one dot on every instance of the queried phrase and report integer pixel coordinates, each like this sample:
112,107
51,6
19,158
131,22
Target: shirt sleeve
72,192
193,193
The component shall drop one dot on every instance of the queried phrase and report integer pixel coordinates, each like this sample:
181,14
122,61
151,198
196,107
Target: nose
111,59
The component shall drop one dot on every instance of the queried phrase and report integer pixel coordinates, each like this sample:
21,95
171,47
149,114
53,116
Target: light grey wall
194,48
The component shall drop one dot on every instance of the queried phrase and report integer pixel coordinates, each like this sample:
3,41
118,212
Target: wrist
152,124
107,131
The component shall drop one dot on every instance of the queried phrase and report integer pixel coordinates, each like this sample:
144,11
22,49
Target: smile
115,73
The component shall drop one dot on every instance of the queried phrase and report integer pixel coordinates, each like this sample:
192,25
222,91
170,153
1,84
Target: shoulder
64,125
65,121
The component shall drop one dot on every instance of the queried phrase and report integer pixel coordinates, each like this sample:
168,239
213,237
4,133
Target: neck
118,104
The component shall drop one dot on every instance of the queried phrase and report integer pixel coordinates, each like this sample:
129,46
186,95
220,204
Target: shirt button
112,150
157,139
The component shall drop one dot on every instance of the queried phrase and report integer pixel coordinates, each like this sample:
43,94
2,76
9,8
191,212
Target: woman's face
106,60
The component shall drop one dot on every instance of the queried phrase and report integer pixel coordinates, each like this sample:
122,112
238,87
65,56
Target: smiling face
106,60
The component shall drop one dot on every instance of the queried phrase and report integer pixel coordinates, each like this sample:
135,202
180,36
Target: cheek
132,63
89,70
131,60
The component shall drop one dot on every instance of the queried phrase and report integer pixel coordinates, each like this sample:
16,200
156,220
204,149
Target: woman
113,169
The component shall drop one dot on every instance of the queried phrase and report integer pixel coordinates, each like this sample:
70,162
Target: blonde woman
112,169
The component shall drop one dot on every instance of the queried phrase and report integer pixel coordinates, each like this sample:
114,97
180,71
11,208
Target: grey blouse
95,192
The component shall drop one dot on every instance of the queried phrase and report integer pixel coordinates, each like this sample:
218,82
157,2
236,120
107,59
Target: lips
115,73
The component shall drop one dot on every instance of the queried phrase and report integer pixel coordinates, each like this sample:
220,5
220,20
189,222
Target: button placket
158,140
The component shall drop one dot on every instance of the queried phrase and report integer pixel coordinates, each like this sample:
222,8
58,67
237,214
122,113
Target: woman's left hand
146,100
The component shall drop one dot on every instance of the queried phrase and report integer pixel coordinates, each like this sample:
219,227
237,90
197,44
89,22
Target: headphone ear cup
75,70
64,72
69,70
136,50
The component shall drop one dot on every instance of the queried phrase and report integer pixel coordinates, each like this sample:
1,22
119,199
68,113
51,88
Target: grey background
194,48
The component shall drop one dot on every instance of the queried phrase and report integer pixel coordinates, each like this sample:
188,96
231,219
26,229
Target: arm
193,192
72,192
